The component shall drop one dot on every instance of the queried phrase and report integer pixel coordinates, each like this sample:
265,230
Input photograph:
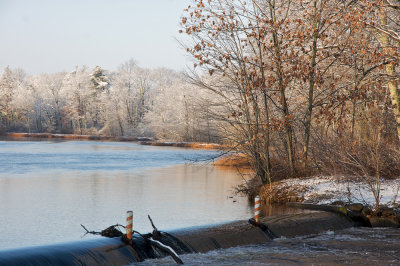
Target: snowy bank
328,189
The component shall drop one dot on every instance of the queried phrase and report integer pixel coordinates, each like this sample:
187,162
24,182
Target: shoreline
355,195
141,140
338,194
16,135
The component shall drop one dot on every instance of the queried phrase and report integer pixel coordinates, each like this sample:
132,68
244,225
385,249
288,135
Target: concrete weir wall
112,251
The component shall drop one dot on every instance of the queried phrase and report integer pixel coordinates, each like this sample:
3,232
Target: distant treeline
131,101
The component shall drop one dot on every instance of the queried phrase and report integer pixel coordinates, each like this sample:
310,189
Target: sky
47,36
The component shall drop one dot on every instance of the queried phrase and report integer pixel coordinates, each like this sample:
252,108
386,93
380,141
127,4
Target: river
49,188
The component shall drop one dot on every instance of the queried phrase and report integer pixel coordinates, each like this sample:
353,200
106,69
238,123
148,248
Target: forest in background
299,87
309,86
131,101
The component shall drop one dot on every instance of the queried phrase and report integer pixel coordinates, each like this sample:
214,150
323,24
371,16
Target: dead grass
234,160
277,193
192,145
17,135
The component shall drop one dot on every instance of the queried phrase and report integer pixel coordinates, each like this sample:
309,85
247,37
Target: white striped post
257,209
129,219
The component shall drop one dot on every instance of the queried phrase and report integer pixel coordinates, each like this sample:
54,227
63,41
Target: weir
113,251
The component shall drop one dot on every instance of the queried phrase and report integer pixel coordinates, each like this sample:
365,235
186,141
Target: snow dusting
327,189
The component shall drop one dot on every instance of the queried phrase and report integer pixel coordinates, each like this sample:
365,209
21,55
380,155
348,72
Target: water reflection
281,209
46,206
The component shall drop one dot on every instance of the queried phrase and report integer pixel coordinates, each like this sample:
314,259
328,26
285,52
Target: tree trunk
390,70
311,85
285,109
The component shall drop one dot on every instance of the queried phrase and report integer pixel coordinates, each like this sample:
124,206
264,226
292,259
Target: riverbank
378,200
354,197
191,145
235,160
328,189
141,140
319,189
15,135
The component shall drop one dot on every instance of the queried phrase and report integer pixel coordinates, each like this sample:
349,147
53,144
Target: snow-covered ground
327,189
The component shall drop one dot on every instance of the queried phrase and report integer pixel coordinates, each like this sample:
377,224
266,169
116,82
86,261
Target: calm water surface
47,189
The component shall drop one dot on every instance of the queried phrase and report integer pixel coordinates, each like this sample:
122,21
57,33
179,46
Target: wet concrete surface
291,225
219,237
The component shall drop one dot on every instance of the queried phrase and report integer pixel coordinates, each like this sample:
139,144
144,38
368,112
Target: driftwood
150,239
166,249
90,232
111,231
153,239
156,234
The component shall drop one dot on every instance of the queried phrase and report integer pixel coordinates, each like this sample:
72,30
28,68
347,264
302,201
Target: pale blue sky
56,35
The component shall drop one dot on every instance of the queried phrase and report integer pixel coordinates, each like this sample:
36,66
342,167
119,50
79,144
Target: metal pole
257,209
129,219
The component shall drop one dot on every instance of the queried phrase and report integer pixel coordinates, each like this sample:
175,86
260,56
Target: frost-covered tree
11,89
99,79
7,86
101,84
166,117
48,104
130,101
133,83
77,91
128,95
179,111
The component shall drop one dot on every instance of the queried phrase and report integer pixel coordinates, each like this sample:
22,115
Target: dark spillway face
103,251
223,236
113,251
